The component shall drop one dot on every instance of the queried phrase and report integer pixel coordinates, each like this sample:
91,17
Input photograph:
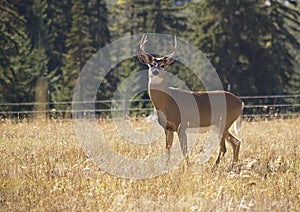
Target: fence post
126,106
41,98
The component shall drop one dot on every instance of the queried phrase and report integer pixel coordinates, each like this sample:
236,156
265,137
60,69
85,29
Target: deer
173,109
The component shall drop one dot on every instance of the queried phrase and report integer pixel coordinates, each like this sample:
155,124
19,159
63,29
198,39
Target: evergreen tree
79,45
254,45
248,43
34,12
144,16
40,36
60,20
17,79
18,58
97,14
10,24
295,52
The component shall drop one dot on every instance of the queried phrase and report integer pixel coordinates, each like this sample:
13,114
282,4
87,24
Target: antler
142,44
143,56
174,47
144,41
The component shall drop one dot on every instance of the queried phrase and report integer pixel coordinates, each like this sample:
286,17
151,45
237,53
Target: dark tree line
254,45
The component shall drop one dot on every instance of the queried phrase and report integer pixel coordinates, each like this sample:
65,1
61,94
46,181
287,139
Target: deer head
157,66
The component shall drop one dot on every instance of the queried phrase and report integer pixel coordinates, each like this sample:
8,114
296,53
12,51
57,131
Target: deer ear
145,58
170,60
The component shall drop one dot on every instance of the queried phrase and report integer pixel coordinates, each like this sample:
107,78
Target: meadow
43,168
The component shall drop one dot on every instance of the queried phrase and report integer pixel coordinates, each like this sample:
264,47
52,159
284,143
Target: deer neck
159,94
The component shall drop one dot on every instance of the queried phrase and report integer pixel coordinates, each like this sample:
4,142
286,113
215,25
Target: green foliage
254,45
79,45
17,59
248,42
59,23
88,32
97,14
11,25
142,16
146,16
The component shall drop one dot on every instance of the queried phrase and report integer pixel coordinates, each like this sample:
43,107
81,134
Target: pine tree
294,28
17,81
60,20
248,43
79,45
18,59
9,26
97,14
144,16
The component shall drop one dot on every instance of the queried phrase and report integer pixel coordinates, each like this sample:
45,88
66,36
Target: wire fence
271,106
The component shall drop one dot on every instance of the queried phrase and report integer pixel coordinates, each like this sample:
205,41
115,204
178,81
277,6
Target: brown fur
179,109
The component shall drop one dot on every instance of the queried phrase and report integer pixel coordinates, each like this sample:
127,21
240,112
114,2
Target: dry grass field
43,168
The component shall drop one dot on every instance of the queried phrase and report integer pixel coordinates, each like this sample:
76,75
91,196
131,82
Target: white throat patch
155,80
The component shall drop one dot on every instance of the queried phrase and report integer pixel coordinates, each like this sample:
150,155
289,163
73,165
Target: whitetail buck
174,110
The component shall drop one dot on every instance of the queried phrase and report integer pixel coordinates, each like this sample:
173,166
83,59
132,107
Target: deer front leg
169,142
183,143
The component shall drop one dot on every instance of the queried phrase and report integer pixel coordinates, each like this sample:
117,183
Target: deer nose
155,72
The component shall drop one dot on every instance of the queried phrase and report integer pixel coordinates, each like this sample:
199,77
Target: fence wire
262,106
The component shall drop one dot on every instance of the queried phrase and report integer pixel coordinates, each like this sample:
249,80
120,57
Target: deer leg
183,140
169,142
235,143
183,143
222,150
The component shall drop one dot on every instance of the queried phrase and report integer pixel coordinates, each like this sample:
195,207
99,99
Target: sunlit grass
43,167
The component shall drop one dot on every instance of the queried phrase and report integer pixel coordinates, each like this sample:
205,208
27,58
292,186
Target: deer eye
162,66
151,65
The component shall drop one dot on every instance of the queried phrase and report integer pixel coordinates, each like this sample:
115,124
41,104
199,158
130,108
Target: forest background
253,44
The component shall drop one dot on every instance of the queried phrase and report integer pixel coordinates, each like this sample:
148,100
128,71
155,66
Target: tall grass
43,167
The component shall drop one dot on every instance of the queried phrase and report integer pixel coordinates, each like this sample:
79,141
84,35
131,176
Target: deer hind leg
169,142
235,143
183,140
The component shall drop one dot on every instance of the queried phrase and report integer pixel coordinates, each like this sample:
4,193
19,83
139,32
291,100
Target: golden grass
42,167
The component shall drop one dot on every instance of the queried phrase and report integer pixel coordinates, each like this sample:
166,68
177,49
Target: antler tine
174,47
142,43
